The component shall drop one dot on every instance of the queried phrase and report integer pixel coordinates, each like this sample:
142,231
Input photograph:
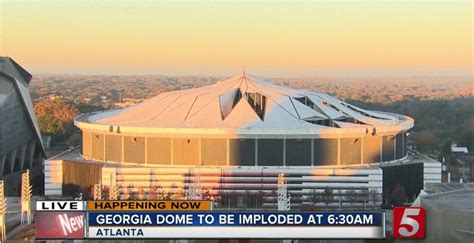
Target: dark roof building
21,146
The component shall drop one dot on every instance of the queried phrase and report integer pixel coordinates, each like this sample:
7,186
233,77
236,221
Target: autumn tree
55,117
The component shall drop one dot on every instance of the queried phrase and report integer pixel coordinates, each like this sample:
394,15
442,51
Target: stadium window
258,102
306,101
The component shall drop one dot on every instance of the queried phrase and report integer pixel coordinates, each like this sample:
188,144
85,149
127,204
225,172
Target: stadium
244,121
233,138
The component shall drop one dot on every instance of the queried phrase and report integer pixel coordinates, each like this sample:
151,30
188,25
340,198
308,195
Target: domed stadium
233,139
244,121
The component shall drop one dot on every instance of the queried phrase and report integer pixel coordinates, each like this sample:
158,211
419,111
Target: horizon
462,77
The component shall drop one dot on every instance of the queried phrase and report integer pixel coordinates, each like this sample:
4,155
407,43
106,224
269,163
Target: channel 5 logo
408,222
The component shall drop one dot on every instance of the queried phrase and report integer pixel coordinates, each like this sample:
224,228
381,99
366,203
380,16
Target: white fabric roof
245,102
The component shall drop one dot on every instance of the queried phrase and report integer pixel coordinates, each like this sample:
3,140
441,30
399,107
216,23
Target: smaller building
466,163
459,150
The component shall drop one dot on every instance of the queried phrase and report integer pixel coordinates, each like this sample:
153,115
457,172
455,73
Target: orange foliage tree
55,117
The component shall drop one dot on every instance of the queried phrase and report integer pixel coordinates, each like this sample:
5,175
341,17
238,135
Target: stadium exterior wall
241,150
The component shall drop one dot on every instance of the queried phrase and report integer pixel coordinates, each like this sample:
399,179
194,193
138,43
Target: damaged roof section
245,101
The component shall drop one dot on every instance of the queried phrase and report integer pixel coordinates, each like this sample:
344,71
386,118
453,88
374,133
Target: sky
226,37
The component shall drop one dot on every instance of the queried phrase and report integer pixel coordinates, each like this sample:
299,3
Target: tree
426,141
206,194
232,199
55,117
259,198
223,199
173,192
153,193
160,192
363,196
315,196
249,198
373,195
453,166
464,137
141,193
328,195
352,196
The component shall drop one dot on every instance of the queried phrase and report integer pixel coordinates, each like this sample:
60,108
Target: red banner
59,225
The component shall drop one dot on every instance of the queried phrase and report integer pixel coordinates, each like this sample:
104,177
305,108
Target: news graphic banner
66,219
274,225
60,220
149,205
59,225
194,220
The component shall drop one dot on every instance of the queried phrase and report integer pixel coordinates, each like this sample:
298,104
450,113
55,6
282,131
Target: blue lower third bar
270,225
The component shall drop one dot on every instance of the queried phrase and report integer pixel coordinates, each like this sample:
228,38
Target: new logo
408,223
59,225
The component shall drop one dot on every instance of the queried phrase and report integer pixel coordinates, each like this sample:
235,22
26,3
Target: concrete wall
86,144
372,149
243,152
113,148
186,151
159,151
134,149
350,151
97,146
214,152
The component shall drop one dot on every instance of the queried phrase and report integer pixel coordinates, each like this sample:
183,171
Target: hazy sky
136,37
